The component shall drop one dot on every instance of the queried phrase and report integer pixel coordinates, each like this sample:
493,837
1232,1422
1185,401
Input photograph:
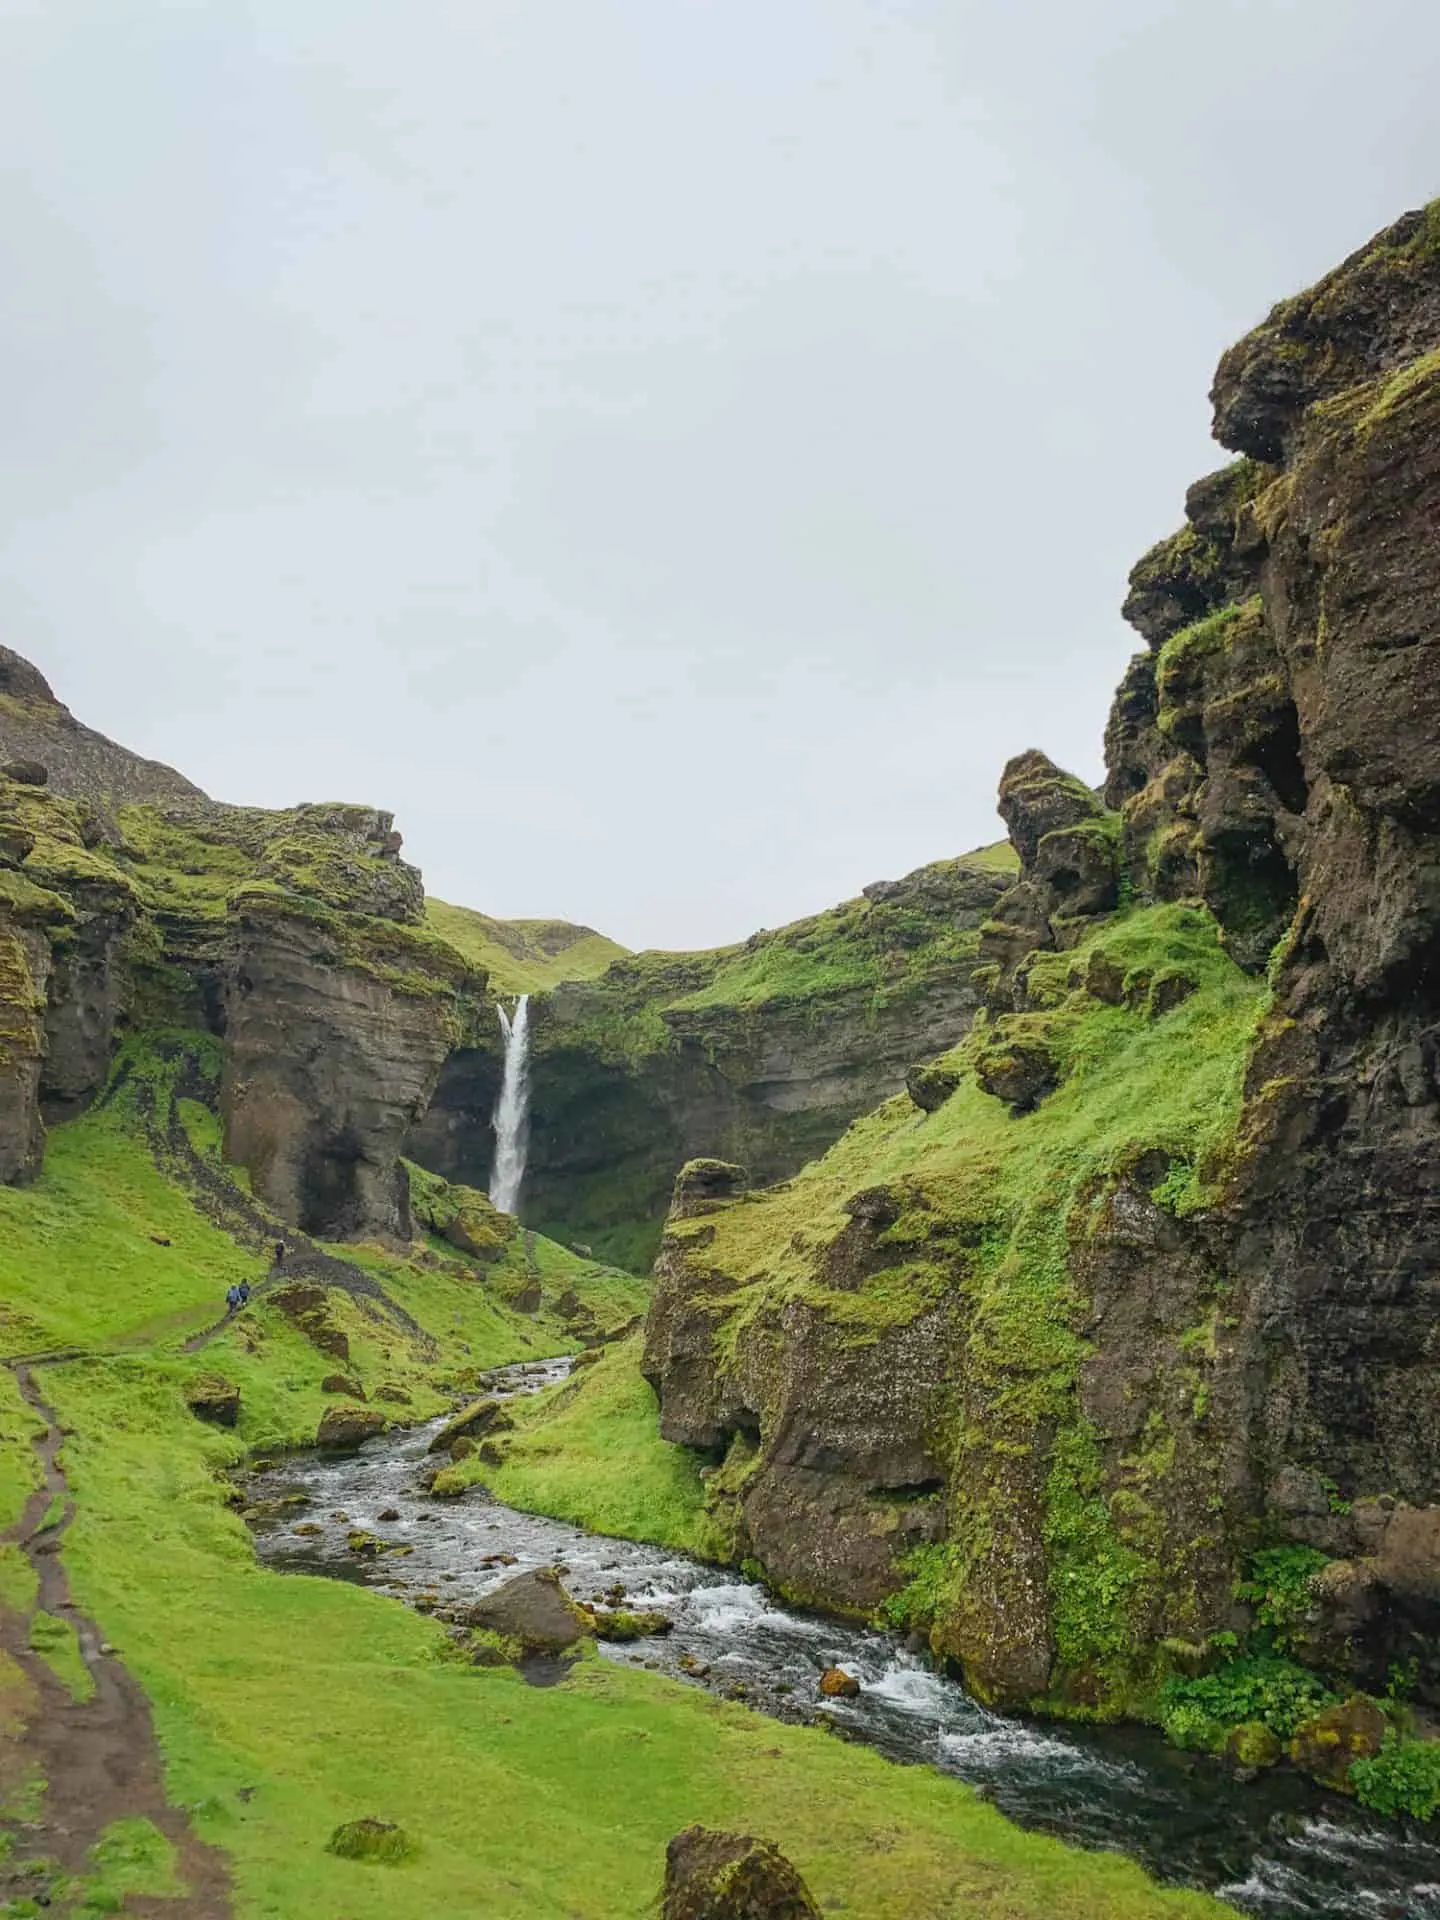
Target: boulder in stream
731,1876
534,1609
346,1427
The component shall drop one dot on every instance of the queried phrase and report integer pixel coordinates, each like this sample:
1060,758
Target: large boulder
481,1416
731,1876
534,1609
343,1428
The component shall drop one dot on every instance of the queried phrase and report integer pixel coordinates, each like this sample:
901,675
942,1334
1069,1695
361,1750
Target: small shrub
1279,1591
1403,1778
1258,1687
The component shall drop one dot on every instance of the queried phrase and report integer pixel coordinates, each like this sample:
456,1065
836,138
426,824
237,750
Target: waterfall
512,1109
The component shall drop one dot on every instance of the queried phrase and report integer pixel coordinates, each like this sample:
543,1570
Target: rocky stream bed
1274,1846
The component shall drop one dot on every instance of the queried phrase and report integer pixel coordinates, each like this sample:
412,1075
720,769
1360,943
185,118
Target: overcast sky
670,451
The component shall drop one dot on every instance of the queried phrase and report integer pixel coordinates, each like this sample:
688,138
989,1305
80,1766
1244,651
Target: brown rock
836,1684
731,1876
534,1609
1326,1746
344,1428
342,1383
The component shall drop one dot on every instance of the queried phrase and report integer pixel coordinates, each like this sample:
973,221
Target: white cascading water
512,1109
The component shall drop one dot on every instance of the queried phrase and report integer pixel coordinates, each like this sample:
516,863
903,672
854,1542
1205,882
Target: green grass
523,956
286,1706
990,1202
19,1468
58,1645
590,1452
330,1703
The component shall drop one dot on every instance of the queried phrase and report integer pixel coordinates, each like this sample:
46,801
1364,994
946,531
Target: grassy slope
1007,1186
880,945
590,1452
323,1702
523,956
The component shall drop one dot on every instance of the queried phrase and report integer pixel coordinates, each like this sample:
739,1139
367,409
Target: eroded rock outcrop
1111,1333
759,1054
128,900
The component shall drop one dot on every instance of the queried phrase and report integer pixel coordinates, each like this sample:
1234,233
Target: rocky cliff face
761,1053
1154,1287
127,900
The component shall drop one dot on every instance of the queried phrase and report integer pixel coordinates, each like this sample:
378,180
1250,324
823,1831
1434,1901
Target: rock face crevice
1200,1359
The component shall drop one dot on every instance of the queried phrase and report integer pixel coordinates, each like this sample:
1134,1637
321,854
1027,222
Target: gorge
1034,1257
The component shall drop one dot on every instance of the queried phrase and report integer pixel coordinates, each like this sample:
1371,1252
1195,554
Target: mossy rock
214,1400
618,1624
1329,1744
1253,1745
731,1876
931,1086
376,1843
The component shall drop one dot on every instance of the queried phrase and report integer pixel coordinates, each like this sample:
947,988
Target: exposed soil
99,1759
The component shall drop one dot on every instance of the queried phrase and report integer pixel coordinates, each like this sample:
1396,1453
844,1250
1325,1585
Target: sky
671,452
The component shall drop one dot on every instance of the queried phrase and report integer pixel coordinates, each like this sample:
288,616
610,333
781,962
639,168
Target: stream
1277,1846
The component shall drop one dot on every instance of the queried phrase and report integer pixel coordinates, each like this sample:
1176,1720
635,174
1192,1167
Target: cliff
762,1052
1118,1349
128,901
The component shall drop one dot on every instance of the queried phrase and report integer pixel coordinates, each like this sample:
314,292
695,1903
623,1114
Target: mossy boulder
377,1843
1253,1745
1329,1744
342,1383
731,1876
481,1416
619,1624
533,1609
344,1428
1017,1064
931,1086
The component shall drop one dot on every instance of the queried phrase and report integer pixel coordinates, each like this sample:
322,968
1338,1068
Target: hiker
279,1253
244,1291
232,1299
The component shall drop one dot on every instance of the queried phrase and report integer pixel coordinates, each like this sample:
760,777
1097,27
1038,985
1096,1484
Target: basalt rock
731,1876
1253,1357
760,1055
533,1609
930,1086
343,1428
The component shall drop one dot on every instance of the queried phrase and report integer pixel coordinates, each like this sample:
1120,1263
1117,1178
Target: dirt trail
99,1758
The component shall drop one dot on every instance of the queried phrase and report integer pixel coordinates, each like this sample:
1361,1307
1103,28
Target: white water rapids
512,1109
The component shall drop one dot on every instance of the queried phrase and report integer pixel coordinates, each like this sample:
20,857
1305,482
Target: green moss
1098,1585
990,1207
523,956
58,1645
